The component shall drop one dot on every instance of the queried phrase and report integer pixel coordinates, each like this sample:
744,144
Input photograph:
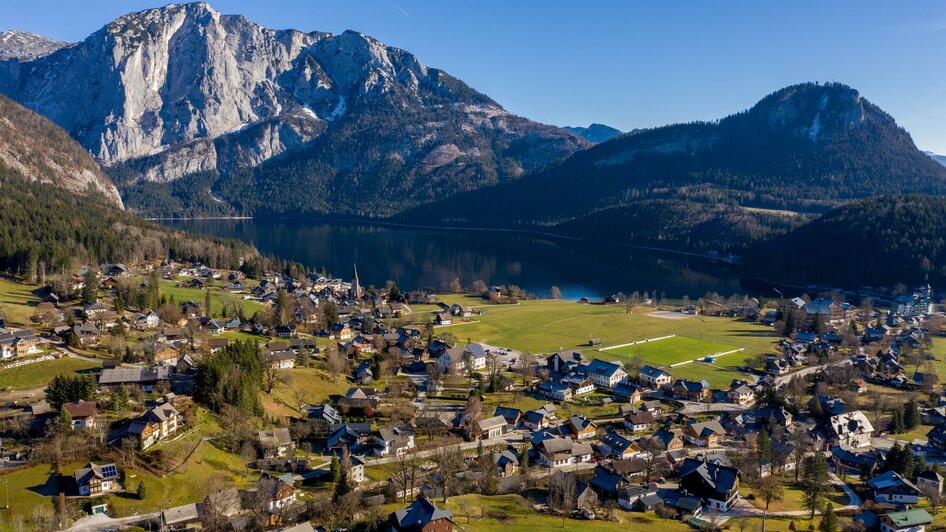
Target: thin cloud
399,8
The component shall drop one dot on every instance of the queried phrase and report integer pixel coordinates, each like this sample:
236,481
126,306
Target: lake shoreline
381,223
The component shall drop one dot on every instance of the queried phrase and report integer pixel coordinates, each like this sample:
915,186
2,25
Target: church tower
356,291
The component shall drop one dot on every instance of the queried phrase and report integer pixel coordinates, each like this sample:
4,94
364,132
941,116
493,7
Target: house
18,343
654,377
606,374
174,335
185,517
717,484
443,318
668,440
216,345
580,385
469,357
639,421
556,391
915,520
891,487
535,419
618,447
511,415
421,516
82,413
740,393
937,437
851,429
359,401
929,481
286,330
690,390
165,355
86,333
704,434
488,428
461,310
276,443
144,377
395,440
326,413
563,362
507,462
627,392
557,452
357,469
348,437
284,359
94,480
155,425
279,491
579,428
642,497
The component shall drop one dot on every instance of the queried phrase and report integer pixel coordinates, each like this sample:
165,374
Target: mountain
60,211
40,151
595,133
879,241
186,93
26,46
803,148
941,159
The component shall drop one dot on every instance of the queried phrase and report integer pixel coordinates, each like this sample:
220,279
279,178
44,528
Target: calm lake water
417,258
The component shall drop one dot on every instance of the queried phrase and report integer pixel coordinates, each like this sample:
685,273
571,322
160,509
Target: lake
426,257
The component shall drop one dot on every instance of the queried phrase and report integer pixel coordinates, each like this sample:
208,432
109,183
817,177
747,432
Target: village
176,396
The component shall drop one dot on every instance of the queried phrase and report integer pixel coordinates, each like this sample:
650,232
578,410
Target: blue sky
624,63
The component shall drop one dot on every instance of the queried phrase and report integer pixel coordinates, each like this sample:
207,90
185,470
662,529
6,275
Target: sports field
670,350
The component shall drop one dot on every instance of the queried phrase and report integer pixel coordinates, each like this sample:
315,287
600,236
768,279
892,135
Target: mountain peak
595,133
26,46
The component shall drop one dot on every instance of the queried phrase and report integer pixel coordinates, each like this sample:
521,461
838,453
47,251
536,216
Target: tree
829,521
911,415
801,442
769,489
896,422
207,302
562,490
815,483
90,288
329,313
142,491
763,450
818,327
120,399
455,286
555,293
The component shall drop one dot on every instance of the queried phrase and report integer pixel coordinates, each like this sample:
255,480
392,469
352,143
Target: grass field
543,326
181,294
670,350
17,301
40,373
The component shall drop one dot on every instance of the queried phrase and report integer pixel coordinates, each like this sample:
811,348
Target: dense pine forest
879,241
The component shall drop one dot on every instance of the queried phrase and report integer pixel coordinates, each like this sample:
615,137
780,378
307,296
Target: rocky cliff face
184,88
38,150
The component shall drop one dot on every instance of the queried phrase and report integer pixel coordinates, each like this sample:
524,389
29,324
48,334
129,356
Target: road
783,379
102,522
744,508
512,438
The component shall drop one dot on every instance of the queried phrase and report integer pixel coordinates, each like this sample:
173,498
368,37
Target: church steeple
356,291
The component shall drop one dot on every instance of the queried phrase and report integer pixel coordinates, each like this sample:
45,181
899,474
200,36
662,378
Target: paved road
783,380
516,437
103,522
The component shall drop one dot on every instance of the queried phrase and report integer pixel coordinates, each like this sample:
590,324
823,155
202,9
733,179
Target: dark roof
418,515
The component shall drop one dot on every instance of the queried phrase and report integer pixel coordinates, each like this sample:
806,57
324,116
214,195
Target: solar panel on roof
110,471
